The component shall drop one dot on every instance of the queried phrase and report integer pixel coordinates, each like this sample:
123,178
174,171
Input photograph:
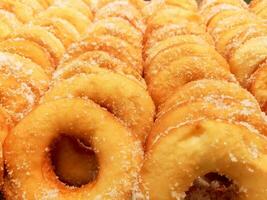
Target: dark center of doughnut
75,163
212,186
2,197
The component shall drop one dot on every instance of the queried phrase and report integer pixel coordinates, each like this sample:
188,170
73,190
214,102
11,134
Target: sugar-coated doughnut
125,10
129,102
118,154
22,84
192,150
113,45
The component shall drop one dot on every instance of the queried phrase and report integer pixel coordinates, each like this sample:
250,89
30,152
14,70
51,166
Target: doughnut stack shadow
240,36
206,123
93,56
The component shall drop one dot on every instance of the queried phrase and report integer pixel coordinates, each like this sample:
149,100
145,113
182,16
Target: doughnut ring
117,27
152,52
258,86
101,59
34,52
233,148
178,73
122,9
156,5
129,102
73,16
61,28
139,4
44,38
173,15
78,5
9,23
228,20
113,45
210,11
113,181
234,112
207,90
22,11
172,30
237,35
244,61
22,86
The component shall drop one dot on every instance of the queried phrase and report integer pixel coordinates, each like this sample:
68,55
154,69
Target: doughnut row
240,36
99,98
30,48
29,53
258,87
175,32
208,129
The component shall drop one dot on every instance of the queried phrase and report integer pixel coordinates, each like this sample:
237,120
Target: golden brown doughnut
129,102
44,38
110,44
118,164
22,84
191,150
125,10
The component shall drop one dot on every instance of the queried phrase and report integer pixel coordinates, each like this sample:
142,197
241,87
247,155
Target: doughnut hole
212,186
74,162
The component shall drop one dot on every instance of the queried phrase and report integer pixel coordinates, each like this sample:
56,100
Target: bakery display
129,99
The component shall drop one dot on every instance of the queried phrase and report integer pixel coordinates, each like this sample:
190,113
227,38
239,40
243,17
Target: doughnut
34,4
139,4
152,52
113,45
118,164
192,150
101,59
244,61
61,28
78,5
73,16
129,102
208,12
22,83
228,20
174,15
228,42
154,6
165,72
44,38
9,23
209,3
117,27
207,90
218,109
172,30
22,11
28,49
44,3
164,82
258,87
122,9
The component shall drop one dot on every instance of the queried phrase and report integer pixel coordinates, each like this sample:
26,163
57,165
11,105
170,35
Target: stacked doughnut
240,36
258,86
30,48
97,97
206,123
